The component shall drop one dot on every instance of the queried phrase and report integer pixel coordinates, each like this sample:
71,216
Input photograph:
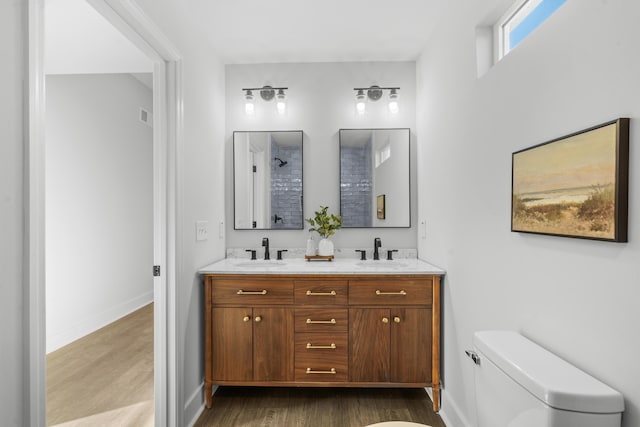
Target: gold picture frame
380,206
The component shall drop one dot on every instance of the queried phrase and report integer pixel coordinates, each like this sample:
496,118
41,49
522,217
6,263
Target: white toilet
520,384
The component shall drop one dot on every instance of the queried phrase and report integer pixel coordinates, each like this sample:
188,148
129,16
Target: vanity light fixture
374,93
267,93
249,107
281,102
360,99
393,101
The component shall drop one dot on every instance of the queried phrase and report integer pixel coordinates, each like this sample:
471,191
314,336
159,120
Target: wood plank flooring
316,407
104,378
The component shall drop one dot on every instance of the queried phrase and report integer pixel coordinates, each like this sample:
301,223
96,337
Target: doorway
127,18
99,241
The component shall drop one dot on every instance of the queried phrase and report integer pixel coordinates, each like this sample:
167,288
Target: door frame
132,22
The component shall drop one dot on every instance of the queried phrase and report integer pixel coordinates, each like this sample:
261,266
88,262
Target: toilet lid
551,379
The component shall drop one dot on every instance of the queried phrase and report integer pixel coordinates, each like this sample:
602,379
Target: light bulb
393,102
249,108
360,105
281,103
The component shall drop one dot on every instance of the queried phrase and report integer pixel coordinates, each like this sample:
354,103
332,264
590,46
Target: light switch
221,229
202,230
423,229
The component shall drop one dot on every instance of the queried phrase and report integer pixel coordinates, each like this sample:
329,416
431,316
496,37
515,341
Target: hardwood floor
104,378
316,407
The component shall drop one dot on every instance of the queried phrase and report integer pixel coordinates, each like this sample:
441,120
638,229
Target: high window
520,21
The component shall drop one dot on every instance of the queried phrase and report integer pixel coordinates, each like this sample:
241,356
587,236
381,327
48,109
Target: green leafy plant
323,223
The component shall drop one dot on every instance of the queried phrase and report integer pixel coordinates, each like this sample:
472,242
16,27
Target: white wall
577,298
12,356
320,101
202,189
79,40
99,195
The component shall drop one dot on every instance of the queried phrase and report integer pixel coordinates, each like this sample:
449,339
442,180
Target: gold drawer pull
246,318
262,292
385,320
396,319
313,322
402,292
311,371
311,346
325,294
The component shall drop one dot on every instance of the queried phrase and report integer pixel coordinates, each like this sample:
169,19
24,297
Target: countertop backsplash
299,253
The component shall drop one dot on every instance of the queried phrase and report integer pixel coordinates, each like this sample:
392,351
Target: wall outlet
202,230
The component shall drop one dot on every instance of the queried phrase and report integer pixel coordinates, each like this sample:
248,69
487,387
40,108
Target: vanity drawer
318,319
321,357
251,291
321,292
396,291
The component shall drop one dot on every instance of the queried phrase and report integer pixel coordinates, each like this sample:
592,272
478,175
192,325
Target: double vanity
345,323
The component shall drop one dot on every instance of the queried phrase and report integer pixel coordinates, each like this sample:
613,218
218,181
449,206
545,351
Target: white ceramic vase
325,247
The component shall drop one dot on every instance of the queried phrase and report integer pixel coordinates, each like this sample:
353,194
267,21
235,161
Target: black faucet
363,254
377,243
265,243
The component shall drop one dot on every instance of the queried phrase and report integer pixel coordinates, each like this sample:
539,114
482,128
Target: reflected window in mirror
267,176
374,178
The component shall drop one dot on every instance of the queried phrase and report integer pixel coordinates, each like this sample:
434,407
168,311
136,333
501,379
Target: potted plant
325,225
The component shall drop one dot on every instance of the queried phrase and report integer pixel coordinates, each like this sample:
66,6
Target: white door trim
127,17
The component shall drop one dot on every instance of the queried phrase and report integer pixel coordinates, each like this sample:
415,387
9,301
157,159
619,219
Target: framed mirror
374,178
267,179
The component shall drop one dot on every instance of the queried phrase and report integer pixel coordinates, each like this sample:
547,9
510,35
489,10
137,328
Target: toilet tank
520,384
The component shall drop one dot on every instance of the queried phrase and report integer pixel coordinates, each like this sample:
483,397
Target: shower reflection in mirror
267,180
374,178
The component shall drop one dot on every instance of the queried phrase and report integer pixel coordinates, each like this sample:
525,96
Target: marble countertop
337,266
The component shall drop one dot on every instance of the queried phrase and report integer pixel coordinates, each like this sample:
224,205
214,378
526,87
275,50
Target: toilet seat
397,424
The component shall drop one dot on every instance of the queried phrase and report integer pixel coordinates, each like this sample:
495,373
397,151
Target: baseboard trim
97,321
450,412
195,405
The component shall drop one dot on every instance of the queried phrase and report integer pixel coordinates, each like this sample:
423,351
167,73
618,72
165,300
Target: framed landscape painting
574,186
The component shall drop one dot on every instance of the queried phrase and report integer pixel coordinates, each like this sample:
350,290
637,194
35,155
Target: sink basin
260,264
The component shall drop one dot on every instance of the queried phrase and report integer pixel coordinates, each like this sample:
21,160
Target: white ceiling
251,31
255,31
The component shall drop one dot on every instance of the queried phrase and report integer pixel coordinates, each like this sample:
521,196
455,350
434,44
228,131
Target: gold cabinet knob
385,320
258,319
396,319
246,318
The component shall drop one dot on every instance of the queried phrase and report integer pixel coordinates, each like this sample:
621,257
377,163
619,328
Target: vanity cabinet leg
435,347
208,394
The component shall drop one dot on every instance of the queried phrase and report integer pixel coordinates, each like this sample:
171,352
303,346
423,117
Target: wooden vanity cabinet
390,345
249,324
391,341
322,322
322,331
252,344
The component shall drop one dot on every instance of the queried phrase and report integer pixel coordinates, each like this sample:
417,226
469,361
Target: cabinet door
273,344
369,343
410,345
232,348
